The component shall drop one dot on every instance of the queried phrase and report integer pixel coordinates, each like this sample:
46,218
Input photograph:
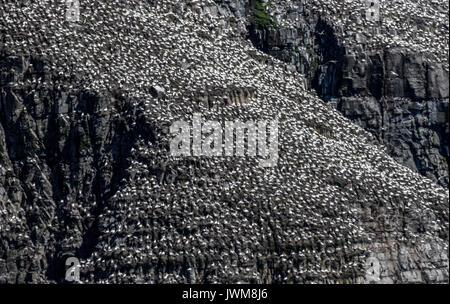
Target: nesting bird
222,219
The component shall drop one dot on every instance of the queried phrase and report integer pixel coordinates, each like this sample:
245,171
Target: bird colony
333,202
420,26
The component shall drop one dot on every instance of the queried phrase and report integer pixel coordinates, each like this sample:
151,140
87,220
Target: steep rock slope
388,71
85,167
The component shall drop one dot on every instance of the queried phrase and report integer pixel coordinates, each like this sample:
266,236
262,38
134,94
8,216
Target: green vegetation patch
261,15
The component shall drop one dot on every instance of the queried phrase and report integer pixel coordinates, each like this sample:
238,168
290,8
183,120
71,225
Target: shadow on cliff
82,151
328,76
122,133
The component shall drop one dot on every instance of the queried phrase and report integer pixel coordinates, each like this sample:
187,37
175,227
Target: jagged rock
319,49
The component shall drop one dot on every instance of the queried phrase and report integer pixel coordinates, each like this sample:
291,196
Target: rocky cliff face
401,87
400,98
86,170
62,155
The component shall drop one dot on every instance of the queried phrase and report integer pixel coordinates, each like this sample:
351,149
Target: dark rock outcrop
381,75
62,154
